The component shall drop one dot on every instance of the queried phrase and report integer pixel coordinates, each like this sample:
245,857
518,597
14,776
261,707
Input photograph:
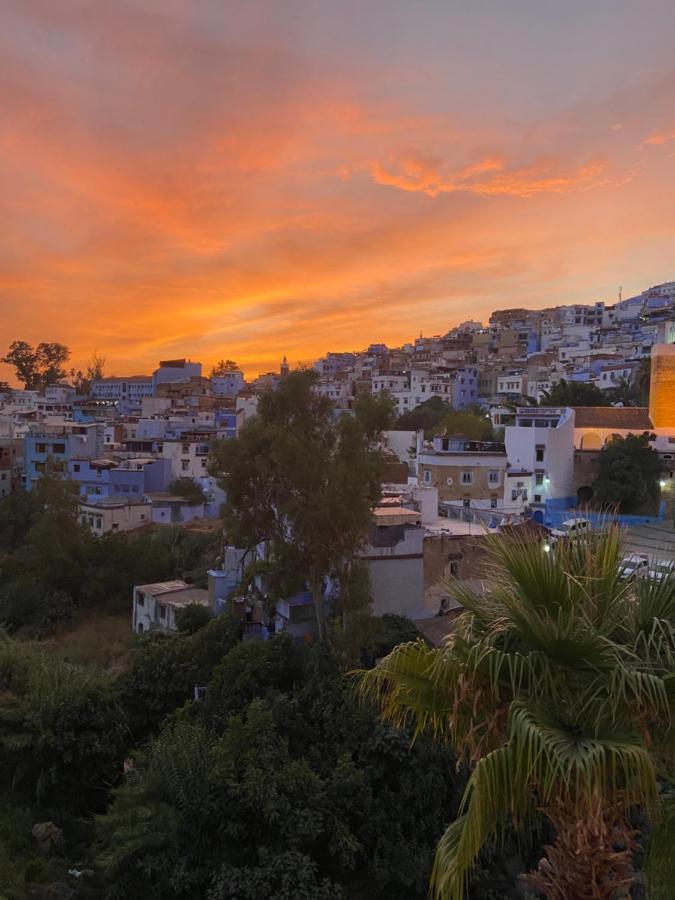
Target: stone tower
662,386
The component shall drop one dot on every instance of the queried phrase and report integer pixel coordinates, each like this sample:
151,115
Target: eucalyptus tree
301,480
557,688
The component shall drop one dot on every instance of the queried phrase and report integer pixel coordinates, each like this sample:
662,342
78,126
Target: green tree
62,733
375,412
37,365
286,477
574,393
187,489
192,617
474,423
425,417
556,685
628,474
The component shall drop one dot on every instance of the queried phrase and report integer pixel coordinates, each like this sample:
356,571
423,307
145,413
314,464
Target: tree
62,734
187,489
289,478
475,424
40,365
375,412
424,417
94,371
192,617
224,367
628,473
557,688
574,393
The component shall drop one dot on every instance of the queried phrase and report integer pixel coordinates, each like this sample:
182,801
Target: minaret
283,370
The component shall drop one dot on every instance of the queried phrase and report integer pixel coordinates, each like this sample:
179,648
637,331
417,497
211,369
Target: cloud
488,177
659,138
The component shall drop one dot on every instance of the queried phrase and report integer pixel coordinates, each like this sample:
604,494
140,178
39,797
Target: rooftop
182,594
626,418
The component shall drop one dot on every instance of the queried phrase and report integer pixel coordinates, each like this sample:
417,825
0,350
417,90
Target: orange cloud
658,138
488,177
199,180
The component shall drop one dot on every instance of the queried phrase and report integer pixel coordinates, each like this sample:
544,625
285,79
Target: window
186,448
466,502
427,476
539,454
467,477
537,498
76,467
493,502
162,611
40,448
493,477
185,465
539,479
140,600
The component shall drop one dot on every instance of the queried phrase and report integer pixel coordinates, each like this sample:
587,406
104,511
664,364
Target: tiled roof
627,418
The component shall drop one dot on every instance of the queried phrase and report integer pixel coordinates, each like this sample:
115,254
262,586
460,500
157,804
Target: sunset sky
216,179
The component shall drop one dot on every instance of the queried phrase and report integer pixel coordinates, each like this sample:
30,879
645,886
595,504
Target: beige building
109,514
465,472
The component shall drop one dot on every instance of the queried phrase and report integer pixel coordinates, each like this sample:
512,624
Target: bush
191,618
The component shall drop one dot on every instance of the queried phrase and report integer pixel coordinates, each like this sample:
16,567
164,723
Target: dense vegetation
52,567
629,469
557,685
277,783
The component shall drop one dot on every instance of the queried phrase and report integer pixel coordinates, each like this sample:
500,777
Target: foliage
37,365
385,633
557,685
425,417
165,669
192,617
277,784
224,367
187,489
299,480
628,474
375,412
53,566
286,876
94,371
574,393
62,734
474,423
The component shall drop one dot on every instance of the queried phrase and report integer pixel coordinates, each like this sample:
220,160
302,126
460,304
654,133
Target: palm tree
556,687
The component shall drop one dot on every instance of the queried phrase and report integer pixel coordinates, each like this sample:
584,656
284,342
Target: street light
663,483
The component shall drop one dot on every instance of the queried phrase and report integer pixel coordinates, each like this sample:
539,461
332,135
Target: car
659,569
633,566
571,528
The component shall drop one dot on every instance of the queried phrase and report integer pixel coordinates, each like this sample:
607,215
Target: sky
245,180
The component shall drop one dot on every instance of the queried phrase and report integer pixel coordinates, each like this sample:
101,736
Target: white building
155,605
541,442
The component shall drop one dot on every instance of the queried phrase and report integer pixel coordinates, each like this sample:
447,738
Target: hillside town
139,447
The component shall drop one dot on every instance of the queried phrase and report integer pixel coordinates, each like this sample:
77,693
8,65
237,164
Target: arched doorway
538,516
591,441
